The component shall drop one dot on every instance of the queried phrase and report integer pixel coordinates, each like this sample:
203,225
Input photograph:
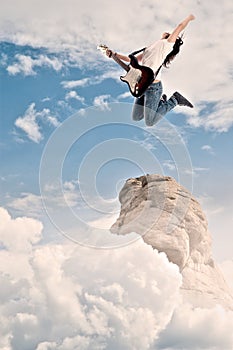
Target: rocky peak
171,220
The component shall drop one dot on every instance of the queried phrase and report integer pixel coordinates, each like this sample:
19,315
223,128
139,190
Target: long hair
174,52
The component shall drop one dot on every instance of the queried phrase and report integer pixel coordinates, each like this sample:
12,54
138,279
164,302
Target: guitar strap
143,49
136,52
157,72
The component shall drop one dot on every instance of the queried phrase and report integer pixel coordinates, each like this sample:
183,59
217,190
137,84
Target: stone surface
171,220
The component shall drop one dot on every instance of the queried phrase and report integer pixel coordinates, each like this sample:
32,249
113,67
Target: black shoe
164,97
182,101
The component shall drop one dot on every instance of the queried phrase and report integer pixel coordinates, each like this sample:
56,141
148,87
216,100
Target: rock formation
171,220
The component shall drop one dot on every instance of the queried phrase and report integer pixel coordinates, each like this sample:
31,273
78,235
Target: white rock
168,218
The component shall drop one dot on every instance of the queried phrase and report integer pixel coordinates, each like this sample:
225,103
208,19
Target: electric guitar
138,77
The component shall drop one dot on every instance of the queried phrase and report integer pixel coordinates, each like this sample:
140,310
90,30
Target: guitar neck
120,62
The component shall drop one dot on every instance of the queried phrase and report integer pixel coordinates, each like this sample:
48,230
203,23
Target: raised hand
191,17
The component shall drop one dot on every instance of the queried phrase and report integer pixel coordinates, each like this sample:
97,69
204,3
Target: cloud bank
76,28
67,297
61,297
26,65
31,120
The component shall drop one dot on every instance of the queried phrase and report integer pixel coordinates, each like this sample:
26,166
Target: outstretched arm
172,38
120,56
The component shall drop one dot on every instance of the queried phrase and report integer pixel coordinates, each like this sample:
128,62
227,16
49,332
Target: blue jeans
150,106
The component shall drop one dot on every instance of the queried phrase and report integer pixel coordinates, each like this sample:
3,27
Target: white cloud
170,165
46,99
105,222
70,194
197,328
94,80
124,95
105,298
102,102
67,297
81,111
3,60
195,171
26,64
148,143
73,95
208,149
18,234
218,119
32,204
27,203
75,83
53,121
29,123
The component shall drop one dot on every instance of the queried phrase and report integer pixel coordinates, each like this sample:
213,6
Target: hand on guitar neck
109,53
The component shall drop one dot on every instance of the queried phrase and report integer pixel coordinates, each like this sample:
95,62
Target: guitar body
138,77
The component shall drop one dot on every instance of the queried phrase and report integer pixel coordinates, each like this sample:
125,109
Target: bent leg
138,108
155,108
165,106
152,103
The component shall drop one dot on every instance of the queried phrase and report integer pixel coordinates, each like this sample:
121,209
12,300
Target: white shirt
155,54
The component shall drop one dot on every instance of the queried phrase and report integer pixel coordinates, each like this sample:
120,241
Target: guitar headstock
103,48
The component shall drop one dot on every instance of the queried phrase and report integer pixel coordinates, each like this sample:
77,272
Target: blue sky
46,87
55,84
